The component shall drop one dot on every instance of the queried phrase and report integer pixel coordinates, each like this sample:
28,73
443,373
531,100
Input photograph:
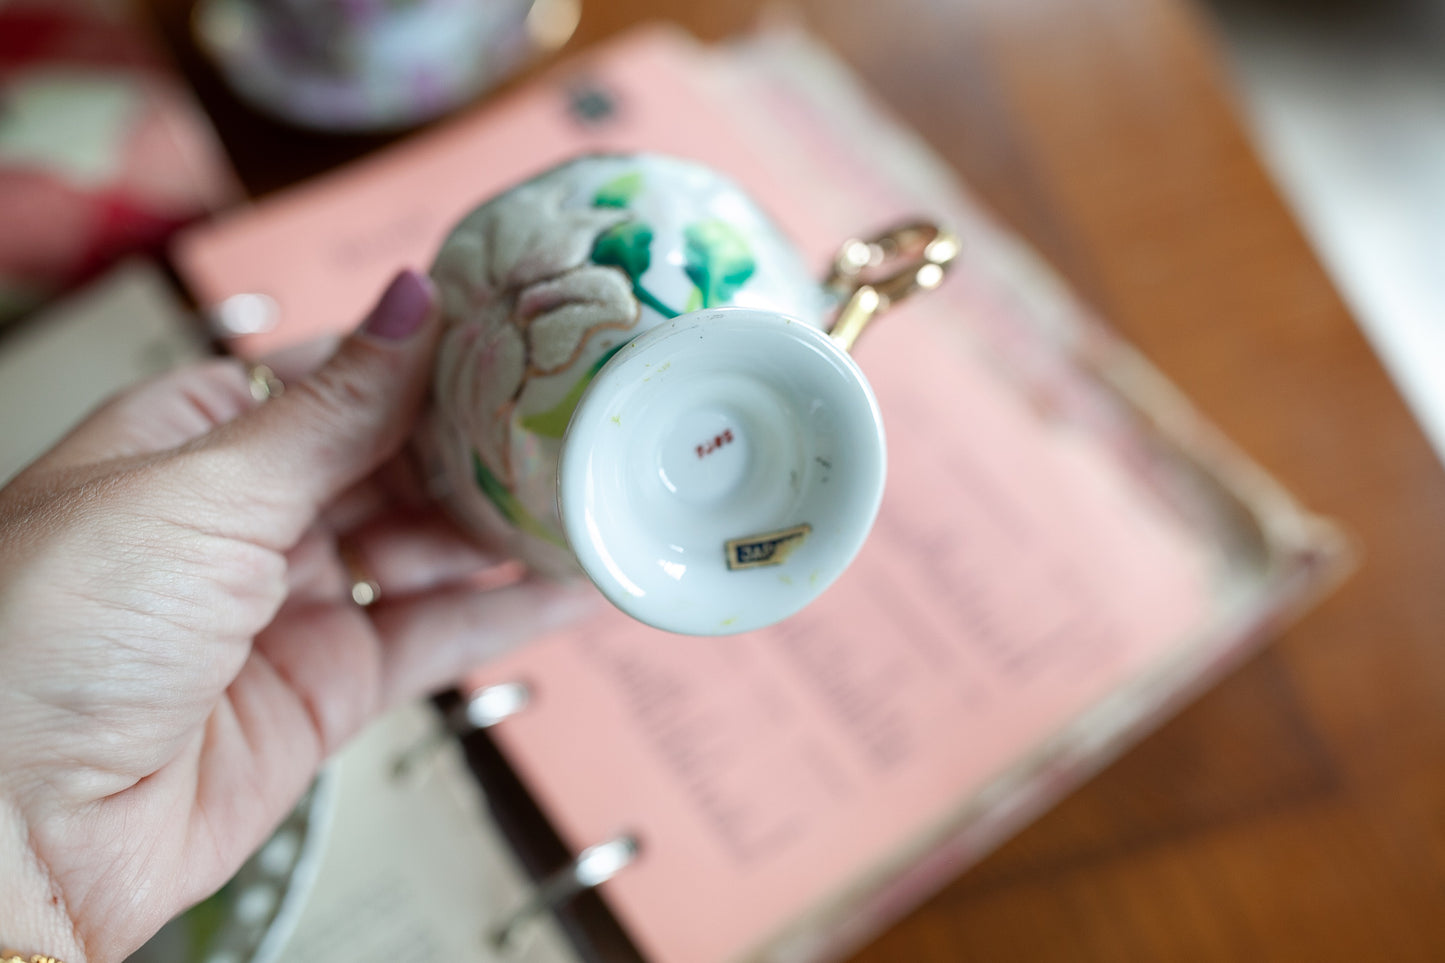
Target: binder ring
492,704
593,866
483,709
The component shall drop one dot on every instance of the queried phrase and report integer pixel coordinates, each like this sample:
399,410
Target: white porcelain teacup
636,384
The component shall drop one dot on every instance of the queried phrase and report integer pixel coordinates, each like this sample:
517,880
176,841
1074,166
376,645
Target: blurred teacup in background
374,65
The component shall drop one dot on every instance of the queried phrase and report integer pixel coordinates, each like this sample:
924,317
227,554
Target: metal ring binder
245,313
593,866
491,704
485,707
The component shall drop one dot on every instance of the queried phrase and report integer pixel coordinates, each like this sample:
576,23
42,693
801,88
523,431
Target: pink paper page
325,249
1017,575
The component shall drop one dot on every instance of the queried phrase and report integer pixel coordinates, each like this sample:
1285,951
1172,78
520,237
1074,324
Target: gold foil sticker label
769,548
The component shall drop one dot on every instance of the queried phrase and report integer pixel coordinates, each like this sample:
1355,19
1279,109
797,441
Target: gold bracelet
10,956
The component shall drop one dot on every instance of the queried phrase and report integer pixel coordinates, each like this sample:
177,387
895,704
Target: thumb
289,457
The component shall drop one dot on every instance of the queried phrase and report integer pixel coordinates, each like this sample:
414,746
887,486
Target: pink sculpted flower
521,298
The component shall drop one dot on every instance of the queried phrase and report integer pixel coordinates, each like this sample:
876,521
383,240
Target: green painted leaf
553,422
627,246
650,299
512,509
719,260
619,191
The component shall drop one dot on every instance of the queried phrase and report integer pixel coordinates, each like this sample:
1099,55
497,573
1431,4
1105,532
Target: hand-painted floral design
522,297
719,260
544,284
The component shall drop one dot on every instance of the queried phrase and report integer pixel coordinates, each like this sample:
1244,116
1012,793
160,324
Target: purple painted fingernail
403,309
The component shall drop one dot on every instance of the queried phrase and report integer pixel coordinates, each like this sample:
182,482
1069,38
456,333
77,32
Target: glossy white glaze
551,293
719,427
541,284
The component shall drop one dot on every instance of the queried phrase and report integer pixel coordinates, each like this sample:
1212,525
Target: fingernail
403,309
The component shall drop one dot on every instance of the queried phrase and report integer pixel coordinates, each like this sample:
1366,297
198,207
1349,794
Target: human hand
179,650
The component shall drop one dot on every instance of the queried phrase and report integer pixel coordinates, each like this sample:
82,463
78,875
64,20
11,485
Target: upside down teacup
641,382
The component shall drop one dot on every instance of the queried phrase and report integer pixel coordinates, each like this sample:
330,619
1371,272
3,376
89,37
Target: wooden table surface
1297,811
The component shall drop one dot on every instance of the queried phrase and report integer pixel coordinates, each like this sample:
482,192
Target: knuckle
343,389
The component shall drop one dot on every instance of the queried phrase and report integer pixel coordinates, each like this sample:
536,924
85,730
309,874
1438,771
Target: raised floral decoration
526,282
522,296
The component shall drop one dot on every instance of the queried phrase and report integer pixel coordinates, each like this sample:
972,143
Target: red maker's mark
714,443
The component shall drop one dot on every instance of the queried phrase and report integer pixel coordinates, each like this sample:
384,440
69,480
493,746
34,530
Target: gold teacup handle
875,274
